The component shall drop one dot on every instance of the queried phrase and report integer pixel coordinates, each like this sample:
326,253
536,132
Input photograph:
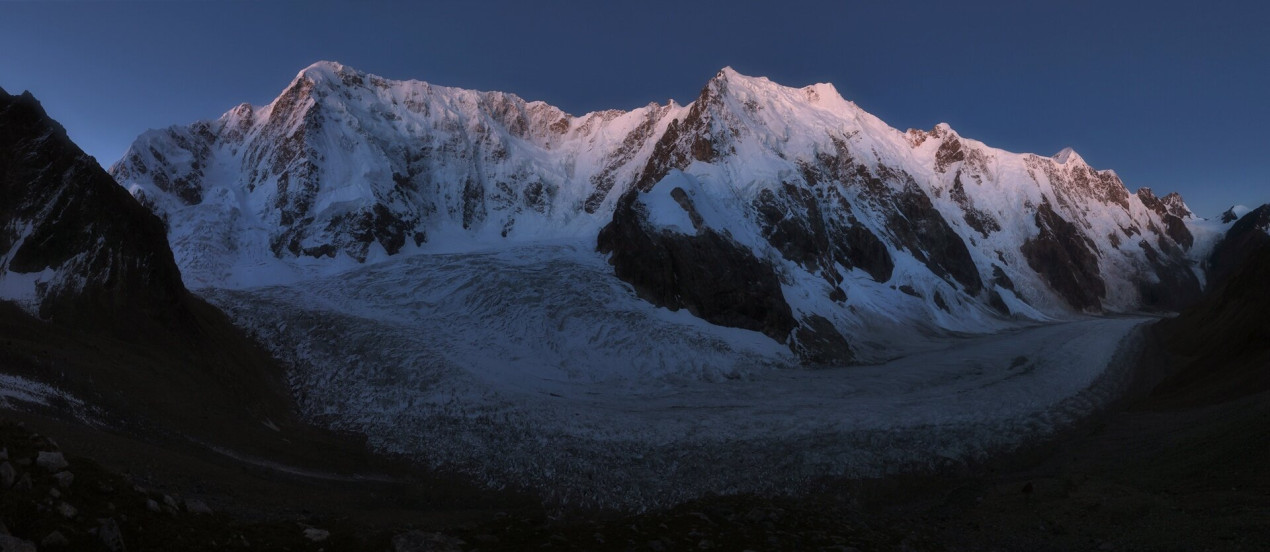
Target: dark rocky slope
1223,342
110,284
60,212
1245,237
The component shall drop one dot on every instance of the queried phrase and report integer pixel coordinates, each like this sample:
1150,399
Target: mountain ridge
862,224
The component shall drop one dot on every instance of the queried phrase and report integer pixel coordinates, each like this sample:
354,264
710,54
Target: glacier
532,366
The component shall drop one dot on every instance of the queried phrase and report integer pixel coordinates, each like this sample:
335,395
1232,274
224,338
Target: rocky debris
316,535
195,506
110,535
153,506
64,479
422,541
54,540
8,476
9,543
67,511
51,461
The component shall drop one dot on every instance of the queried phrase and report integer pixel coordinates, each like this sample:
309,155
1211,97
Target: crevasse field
533,366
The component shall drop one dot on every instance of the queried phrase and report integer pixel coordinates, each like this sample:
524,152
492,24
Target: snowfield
533,366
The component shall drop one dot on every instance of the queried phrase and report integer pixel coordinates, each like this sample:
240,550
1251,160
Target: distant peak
1234,213
942,130
1067,155
331,72
728,75
323,67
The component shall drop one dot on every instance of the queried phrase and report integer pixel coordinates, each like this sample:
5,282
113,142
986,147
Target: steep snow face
789,211
345,167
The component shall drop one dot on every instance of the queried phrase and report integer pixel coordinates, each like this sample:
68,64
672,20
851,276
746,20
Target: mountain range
611,310
787,211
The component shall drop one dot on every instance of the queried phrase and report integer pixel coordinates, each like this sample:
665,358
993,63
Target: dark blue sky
1171,95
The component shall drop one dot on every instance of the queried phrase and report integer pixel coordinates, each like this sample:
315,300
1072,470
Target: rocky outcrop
707,273
790,218
1066,259
817,342
1172,211
922,230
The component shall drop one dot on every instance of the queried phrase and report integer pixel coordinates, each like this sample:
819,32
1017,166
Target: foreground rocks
52,501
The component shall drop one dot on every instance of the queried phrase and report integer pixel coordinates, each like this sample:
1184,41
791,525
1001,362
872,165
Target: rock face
74,246
788,211
706,272
1066,259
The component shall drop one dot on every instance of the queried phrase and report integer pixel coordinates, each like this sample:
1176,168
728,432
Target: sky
1174,96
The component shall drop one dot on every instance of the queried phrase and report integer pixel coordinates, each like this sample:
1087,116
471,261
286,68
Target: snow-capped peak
729,79
1067,155
322,69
